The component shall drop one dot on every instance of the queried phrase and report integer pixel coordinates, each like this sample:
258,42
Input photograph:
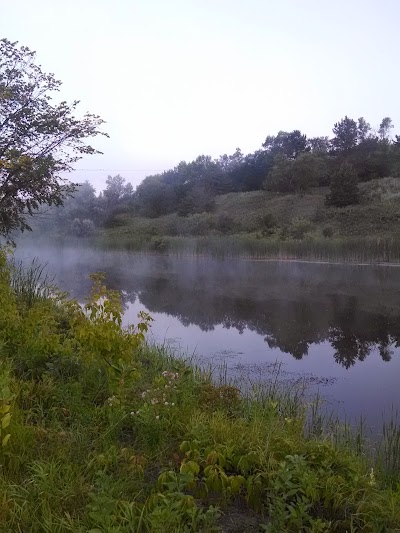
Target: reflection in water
336,321
292,305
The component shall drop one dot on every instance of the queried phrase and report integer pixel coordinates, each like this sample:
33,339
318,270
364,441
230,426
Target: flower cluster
161,395
111,401
172,376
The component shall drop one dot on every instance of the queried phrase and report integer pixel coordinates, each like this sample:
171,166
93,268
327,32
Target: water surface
339,323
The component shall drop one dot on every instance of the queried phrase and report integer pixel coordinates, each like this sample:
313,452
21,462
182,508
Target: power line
118,170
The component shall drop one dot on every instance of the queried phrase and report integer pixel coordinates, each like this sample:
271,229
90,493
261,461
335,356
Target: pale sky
179,78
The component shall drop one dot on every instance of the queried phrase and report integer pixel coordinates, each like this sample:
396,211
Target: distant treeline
289,162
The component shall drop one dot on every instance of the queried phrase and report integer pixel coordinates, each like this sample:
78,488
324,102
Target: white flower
144,394
157,417
172,404
166,403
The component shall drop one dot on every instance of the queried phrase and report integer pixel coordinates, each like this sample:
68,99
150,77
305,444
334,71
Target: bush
195,225
299,227
327,232
268,223
225,223
82,228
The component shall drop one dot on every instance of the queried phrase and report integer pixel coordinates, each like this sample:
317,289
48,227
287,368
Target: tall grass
31,282
389,446
352,249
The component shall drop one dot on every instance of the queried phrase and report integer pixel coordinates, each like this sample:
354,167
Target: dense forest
289,162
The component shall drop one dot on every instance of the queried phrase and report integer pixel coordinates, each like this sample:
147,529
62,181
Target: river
338,324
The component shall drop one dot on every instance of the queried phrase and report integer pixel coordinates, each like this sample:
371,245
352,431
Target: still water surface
339,323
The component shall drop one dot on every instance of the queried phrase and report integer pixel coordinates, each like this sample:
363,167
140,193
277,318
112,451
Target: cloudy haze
179,78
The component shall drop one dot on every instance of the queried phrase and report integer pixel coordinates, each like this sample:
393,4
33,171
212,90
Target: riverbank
101,440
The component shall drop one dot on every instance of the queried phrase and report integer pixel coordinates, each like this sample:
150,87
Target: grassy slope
376,215
355,232
92,449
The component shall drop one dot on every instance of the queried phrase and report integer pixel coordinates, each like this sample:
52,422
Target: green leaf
6,421
190,468
5,440
4,409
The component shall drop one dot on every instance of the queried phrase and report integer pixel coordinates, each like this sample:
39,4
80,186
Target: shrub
299,227
225,223
327,232
82,228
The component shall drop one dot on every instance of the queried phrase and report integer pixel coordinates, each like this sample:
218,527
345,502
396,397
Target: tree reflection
293,306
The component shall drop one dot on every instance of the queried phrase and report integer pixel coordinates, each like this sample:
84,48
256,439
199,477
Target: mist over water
339,323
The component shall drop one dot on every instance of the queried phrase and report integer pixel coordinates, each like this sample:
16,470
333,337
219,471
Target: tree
39,139
346,135
290,144
363,129
307,170
384,128
280,178
344,187
319,145
116,190
154,197
372,159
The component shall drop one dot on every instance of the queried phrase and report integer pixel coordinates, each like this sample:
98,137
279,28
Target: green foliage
38,139
299,228
346,135
344,187
6,397
82,228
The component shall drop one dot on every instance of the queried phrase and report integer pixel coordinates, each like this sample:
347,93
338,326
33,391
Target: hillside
277,216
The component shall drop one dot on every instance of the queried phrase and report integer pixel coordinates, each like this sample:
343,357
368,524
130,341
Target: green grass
111,434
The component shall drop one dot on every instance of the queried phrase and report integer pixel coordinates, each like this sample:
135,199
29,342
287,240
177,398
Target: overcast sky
179,78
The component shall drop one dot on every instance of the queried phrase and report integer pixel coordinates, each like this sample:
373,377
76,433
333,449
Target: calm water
339,322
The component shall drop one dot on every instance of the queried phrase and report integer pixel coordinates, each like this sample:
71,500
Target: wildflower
166,403
172,404
144,394
372,477
157,417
